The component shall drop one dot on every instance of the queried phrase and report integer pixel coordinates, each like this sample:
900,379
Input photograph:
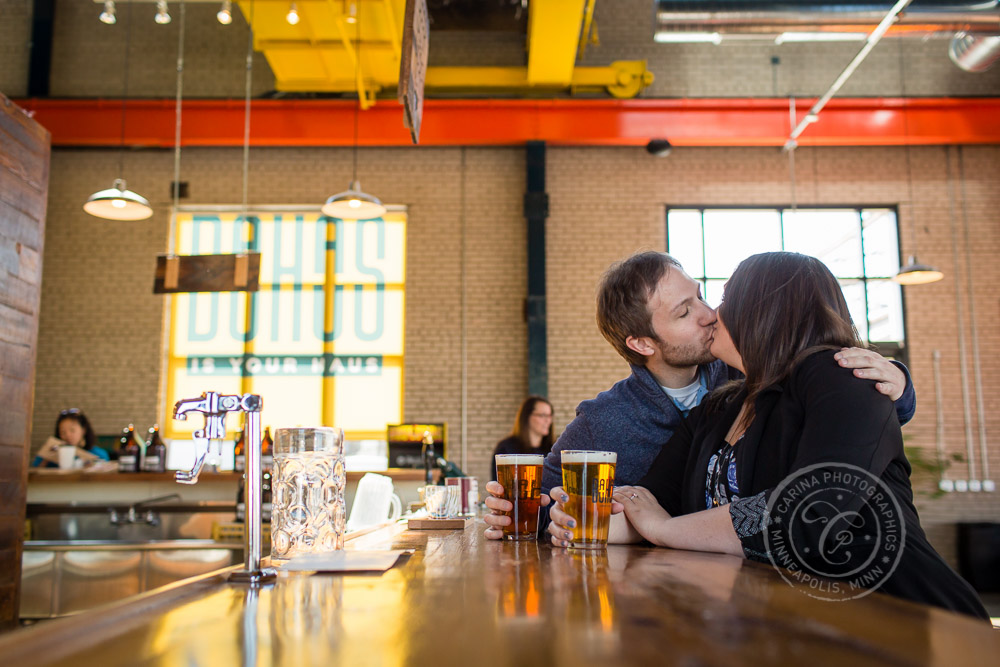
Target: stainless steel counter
62,577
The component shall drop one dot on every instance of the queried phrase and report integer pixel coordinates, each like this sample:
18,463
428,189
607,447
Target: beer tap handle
206,443
206,447
427,451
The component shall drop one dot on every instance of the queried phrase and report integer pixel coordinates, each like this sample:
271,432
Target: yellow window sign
321,342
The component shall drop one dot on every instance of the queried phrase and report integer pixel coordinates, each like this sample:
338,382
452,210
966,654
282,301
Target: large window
859,245
321,342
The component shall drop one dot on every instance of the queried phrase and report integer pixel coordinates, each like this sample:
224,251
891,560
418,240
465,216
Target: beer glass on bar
521,478
308,515
588,480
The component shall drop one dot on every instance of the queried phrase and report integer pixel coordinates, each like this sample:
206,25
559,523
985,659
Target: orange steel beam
690,122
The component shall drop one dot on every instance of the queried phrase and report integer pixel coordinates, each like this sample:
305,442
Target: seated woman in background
532,432
73,428
800,464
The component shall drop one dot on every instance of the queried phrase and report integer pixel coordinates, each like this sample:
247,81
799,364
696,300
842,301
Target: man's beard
683,356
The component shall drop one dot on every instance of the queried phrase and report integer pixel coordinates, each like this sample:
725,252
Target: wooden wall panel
24,176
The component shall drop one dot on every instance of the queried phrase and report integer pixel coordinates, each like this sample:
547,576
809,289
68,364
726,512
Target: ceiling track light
293,15
352,12
108,15
162,14
225,14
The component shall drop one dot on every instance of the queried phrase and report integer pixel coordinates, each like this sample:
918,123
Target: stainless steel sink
83,556
62,577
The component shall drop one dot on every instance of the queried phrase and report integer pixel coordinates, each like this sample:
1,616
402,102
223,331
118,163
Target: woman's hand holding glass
561,524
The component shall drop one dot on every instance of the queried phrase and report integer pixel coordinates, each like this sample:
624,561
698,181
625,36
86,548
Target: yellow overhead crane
319,53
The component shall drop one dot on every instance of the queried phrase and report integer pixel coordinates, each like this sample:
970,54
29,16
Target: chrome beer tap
215,408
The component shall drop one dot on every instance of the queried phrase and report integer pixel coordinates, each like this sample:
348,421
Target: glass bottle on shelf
267,472
128,450
239,453
156,452
140,462
241,506
267,450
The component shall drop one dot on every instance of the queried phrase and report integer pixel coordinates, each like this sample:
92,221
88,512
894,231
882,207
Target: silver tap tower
215,408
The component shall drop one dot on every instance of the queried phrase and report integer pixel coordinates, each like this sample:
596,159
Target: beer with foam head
588,480
520,475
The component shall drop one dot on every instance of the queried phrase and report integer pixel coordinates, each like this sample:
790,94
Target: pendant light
118,202
354,203
913,272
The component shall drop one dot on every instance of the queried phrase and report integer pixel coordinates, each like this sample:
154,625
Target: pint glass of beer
521,478
588,480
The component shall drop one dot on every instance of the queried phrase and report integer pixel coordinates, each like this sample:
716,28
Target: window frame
892,349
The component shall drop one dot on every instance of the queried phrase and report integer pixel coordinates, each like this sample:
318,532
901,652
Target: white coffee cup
67,456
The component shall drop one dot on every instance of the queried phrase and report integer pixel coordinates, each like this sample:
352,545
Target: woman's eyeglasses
71,411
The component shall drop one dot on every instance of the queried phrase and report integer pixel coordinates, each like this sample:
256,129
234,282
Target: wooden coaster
458,523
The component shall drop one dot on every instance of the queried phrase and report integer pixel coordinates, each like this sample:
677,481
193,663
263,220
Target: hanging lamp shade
915,273
118,203
354,204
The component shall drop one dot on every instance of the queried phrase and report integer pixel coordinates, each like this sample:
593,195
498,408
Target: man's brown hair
621,300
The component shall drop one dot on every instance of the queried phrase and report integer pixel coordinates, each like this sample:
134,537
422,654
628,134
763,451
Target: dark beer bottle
156,452
267,451
128,451
241,505
239,453
266,471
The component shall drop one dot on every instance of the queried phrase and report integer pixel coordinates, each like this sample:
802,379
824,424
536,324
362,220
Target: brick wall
101,330
87,57
15,34
743,69
101,327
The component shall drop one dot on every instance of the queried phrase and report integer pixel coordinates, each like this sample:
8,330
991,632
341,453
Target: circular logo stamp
835,531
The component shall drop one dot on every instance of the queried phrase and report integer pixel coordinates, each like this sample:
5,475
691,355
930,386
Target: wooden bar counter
462,600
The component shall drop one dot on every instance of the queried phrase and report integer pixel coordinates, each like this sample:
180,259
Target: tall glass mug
588,480
520,475
308,513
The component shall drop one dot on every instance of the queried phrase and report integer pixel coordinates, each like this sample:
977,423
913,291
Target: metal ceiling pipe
974,53
755,16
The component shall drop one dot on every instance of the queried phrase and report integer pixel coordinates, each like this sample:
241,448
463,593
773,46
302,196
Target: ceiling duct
974,53
753,18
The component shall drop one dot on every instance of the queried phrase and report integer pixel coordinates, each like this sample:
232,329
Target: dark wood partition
24,184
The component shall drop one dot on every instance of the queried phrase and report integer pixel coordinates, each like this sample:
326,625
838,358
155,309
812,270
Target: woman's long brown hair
779,308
